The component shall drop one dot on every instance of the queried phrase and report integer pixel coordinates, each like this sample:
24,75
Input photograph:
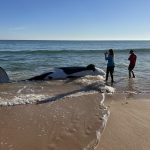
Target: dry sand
128,127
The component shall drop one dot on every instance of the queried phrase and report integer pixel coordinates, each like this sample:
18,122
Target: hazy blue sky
75,19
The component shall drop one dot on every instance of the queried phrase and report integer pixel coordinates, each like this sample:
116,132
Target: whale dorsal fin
3,76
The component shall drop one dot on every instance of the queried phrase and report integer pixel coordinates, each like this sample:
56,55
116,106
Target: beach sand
77,122
67,124
128,127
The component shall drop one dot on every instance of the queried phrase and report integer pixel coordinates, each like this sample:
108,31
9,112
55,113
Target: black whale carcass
69,72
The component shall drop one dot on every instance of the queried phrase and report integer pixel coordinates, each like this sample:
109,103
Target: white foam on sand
22,99
91,84
96,83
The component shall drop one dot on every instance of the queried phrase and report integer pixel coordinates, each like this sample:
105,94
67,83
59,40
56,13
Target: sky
75,19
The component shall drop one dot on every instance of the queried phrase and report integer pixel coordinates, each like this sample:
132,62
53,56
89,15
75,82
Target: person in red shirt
132,58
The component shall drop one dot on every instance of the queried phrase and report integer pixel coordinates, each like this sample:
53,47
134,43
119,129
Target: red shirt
132,59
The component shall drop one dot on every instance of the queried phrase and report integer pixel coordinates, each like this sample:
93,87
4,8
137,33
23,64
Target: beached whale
69,72
60,73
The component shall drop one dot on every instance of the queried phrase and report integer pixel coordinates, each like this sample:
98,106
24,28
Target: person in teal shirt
109,57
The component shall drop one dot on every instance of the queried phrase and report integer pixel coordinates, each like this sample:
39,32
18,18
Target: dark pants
130,68
111,71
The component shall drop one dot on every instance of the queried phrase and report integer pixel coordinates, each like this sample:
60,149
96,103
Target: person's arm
106,56
129,57
135,57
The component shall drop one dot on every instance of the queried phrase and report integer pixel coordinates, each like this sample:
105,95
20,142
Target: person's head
131,52
111,52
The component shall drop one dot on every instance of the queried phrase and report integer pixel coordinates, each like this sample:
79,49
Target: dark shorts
110,69
131,67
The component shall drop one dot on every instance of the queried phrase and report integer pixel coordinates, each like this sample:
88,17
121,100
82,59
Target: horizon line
75,40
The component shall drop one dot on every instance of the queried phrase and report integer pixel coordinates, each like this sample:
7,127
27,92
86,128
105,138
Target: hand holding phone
106,52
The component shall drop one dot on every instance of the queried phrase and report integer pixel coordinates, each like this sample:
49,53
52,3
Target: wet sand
77,122
68,124
128,127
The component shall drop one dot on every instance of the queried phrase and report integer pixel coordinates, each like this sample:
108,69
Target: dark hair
111,52
131,51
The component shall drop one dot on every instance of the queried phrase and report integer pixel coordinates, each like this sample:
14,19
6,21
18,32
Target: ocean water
25,59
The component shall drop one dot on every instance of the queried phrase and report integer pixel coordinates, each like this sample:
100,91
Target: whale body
69,72
59,73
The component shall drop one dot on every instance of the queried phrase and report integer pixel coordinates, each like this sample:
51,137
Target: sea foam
89,85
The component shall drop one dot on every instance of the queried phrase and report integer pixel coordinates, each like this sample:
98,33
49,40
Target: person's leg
112,78
129,68
107,73
111,74
129,73
133,74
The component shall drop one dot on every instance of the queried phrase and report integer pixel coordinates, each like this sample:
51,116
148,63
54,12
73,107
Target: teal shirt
110,60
